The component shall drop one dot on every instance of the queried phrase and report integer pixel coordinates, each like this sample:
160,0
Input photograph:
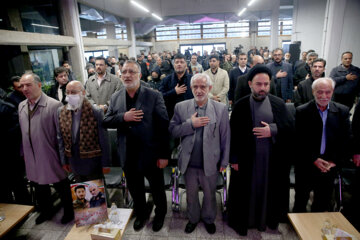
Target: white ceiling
186,11
165,8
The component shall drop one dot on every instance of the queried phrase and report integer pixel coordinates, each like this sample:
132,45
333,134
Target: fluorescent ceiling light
139,6
251,2
47,26
242,11
156,16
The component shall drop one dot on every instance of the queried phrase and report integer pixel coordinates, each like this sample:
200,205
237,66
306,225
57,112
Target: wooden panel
14,213
309,225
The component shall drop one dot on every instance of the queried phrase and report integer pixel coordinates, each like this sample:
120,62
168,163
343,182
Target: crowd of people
162,102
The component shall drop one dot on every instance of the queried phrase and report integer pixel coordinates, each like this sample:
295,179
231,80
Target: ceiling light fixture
46,26
242,11
156,16
139,6
251,2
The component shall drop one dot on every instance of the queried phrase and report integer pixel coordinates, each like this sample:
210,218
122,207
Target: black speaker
294,50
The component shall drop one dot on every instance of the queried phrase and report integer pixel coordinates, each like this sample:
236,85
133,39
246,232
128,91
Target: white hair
201,76
325,80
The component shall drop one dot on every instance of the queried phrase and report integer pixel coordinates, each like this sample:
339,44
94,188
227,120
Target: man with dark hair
176,87
194,66
261,130
144,70
242,86
16,96
92,60
304,71
303,93
219,80
139,114
102,85
347,78
57,91
323,134
80,202
283,76
97,198
71,74
37,116
235,73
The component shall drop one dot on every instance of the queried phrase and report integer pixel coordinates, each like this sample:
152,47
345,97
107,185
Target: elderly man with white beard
203,126
83,142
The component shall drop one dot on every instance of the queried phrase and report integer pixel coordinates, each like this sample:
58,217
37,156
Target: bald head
257,59
75,87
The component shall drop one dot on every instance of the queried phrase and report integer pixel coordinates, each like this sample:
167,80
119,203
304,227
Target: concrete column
70,21
111,34
253,33
274,35
131,37
332,33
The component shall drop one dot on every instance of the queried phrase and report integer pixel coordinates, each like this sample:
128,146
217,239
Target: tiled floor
173,227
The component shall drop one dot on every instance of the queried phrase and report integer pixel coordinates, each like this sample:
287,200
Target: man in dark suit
261,131
176,86
323,132
242,87
57,91
235,73
139,114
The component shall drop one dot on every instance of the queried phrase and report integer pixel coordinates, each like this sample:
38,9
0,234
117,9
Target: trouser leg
192,195
63,188
323,189
208,185
135,183
43,197
157,186
302,190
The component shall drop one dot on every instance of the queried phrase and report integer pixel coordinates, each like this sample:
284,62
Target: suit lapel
139,99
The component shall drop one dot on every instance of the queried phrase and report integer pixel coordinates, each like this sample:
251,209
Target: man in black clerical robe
260,155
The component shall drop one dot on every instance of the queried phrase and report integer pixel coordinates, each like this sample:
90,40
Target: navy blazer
309,128
167,89
234,74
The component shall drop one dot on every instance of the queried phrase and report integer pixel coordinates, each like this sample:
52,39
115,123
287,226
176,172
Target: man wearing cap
261,130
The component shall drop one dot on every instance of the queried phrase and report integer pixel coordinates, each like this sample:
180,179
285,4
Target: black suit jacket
309,129
242,87
234,74
152,131
53,92
242,152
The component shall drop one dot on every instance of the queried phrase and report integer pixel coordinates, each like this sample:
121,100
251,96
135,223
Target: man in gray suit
140,116
102,85
203,126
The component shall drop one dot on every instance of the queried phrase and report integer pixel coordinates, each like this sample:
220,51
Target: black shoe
158,223
210,228
139,224
67,218
42,218
190,227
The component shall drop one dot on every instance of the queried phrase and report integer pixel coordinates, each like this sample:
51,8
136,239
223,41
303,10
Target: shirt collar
327,108
278,64
203,107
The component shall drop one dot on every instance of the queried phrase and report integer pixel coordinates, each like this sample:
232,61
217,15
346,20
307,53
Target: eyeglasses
131,72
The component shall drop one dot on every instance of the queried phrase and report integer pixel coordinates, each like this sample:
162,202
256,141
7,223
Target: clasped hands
323,165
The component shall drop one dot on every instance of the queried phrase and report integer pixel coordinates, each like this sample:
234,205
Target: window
190,32
40,17
264,28
101,34
285,26
239,29
121,33
166,33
